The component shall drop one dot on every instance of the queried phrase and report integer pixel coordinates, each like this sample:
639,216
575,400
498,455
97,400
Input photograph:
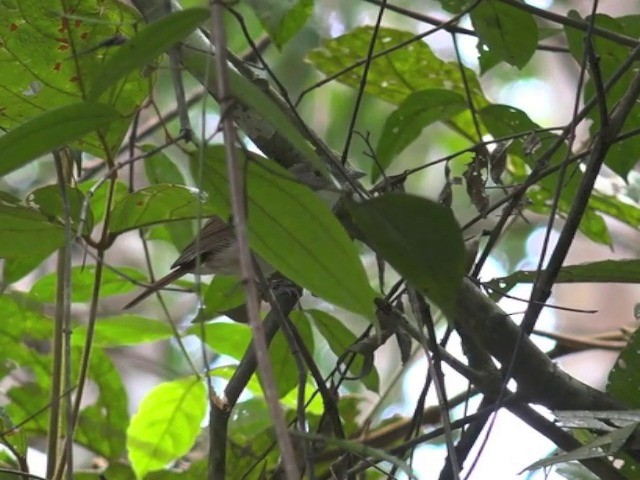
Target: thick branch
539,379
221,412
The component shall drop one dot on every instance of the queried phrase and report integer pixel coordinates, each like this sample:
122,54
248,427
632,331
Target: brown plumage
215,249
219,254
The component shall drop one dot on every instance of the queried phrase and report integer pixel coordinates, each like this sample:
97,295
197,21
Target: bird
215,250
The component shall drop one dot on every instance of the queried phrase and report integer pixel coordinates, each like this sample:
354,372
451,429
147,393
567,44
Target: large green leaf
249,418
49,200
15,438
21,321
25,231
393,77
283,363
506,31
624,377
340,339
145,46
159,168
293,230
222,294
396,75
615,207
98,198
162,169
231,339
82,280
50,130
15,268
419,238
157,204
419,110
49,51
103,423
123,330
166,424
282,19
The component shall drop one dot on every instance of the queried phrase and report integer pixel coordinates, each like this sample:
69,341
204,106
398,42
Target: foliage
87,87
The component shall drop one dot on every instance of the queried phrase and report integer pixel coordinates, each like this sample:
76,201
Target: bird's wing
215,236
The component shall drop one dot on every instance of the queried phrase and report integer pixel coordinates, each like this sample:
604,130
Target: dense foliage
107,164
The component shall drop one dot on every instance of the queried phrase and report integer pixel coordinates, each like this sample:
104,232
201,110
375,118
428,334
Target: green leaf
504,121
508,32
231,339
253,385
51,130
16,439
22,321
82,280
595,228
145,46
98,198
48,55
313,402
249,418
24,230
621,156
259,446
419,238
293,230
392,77
166,424
16,268
487,59
160,169
455,6
283,363
178,233
340,339
122,471
616,208
282,19
102,425
123,330
606,271
195,470
157,204
419,110
223,294
48,200
272,117
395,76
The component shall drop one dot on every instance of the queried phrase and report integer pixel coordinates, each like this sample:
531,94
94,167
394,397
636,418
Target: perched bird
215,250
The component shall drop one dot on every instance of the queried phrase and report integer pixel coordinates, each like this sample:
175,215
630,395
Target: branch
539,379
221,411
196,56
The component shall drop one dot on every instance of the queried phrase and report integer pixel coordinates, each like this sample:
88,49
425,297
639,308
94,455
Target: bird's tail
157,285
